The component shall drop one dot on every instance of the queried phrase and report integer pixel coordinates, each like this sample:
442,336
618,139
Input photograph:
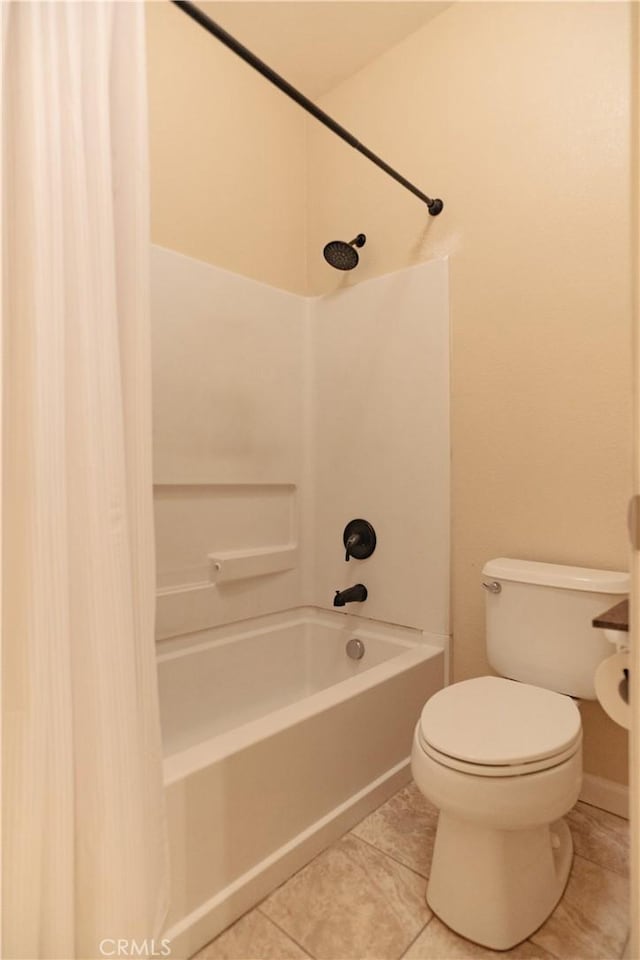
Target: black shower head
344,256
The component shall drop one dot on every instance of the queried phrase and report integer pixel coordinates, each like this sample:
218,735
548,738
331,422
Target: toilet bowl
502,855
501,757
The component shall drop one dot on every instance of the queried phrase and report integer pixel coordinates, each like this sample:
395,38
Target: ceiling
316,44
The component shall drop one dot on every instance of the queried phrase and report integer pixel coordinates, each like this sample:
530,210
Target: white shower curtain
84,851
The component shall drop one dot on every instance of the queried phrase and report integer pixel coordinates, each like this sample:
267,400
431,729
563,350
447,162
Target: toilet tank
539,622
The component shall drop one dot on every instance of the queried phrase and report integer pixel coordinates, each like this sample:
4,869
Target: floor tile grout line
371,846
223,931
372,875
282,930
596,863
539,945
459,935
614,873
597,817
576,856
390,856
295,873
417,936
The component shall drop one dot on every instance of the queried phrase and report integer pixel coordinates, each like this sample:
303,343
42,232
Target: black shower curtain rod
434,206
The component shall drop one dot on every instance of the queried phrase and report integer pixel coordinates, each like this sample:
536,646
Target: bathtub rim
166,647
190,644
419,648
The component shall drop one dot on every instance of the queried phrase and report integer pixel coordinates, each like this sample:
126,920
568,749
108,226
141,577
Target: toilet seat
490,726
499,770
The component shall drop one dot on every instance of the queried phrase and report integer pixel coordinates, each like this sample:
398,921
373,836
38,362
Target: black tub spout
350,595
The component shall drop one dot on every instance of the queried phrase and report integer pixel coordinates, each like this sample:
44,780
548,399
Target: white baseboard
191,933
606,794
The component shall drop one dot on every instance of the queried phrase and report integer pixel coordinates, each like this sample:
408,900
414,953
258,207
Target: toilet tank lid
555,575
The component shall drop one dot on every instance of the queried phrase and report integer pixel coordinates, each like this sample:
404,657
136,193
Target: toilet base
496,887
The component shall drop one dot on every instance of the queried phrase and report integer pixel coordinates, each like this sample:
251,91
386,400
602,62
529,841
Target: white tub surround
381,442
230,429
277,420
277,742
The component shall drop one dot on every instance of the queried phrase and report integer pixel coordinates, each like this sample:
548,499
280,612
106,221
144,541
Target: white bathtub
276,743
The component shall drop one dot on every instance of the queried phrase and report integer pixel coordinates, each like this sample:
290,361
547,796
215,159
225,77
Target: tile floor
363,897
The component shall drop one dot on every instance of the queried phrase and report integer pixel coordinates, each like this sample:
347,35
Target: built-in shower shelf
242,564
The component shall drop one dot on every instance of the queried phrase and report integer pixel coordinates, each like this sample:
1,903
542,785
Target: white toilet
502,758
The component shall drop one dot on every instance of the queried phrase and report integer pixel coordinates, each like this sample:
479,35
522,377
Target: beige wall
227,156
517,115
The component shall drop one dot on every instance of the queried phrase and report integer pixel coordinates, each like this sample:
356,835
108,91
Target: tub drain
355,648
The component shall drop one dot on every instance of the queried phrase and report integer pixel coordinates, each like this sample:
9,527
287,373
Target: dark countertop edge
616,618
